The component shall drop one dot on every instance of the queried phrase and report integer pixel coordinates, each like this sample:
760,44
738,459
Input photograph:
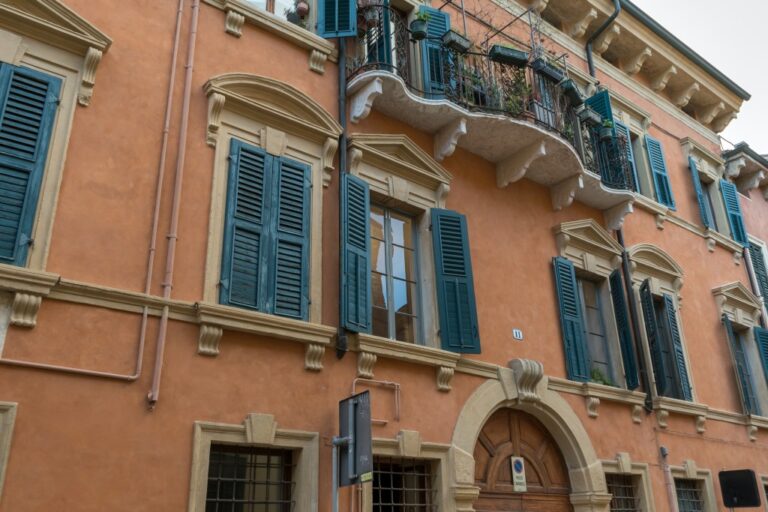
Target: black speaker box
739,488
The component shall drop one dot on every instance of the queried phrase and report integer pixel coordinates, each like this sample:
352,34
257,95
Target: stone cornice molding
588,245
651,260
738,302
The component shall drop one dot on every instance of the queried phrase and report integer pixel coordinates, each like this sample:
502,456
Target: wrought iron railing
608,158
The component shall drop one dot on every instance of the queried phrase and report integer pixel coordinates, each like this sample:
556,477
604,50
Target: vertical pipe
600,30
341,338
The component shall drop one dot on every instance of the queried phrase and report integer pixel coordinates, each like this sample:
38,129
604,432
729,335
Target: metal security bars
624,492
249,479
689,495
401,485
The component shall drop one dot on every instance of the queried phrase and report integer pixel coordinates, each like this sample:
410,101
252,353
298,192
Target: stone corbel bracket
579,27
614,217
750,182
710,113
514,168
329,151
682,98
563,193
233,24
362,101
215,108
592,403
528,375
28,288
659,82
724,120
635,64
91,62
605,39
447,138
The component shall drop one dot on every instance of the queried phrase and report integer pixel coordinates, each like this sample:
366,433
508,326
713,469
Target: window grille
689,495
624,492
403,485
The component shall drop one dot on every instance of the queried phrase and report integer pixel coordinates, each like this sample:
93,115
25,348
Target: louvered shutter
433,63
289,291
29,100
625,332
733,211
743,373
243,268
337,18
761,338
600,102
356,240
659,172
677,348
623,131
706,218
455,287
655,340
759,268
571,320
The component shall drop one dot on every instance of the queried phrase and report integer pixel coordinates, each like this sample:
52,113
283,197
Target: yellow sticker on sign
366,477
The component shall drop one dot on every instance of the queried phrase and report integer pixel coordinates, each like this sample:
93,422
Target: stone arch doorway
509,433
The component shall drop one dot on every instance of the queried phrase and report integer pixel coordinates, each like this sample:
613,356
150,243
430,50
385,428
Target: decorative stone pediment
707,162
277,103
588,245
651,260
738,302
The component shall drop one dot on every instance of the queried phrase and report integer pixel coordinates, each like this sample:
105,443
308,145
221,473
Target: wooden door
511,433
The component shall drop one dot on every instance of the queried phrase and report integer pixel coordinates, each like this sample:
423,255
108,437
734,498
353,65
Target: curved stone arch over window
524,387
48,37
284,122
650,262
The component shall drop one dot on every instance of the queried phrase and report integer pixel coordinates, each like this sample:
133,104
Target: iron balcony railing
608,158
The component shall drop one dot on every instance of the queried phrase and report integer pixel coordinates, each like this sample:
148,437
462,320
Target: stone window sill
594,393
664,406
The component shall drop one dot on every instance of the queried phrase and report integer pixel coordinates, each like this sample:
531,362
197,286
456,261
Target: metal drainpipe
152,244
603,27
172,236
341,338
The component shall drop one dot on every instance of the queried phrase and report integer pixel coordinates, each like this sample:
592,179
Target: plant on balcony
419,26
606,130
590,117
572,92
517,94
508,55
548,69
456,42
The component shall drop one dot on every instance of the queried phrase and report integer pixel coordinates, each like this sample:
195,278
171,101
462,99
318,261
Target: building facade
512,222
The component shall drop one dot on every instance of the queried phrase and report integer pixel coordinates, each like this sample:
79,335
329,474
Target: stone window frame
690,471
409,444
7,422
63,45
624,465
595,254
257,430
638,121
764,484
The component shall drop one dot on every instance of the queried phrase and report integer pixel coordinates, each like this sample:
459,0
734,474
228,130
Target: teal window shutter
733,211
655,340
356,240
743,373
659,172
677,348
455,287
28,102
337,18
623,130
759,268
706,215
571,320
625,332
290,283
433,56
761,338
600,102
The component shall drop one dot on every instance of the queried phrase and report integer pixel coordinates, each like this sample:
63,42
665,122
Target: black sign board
355,458
739,488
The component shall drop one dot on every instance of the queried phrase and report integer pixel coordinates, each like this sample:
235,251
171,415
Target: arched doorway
509,433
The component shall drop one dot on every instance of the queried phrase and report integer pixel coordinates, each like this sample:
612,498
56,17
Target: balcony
515,116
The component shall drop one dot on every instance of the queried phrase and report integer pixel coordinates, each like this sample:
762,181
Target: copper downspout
172,236
152,244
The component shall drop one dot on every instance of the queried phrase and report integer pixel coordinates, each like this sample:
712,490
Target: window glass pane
402,230
624,493
378,256
377,222
405,327
403,296
259,4
689,495
379,290
403,263
380,322
402,485
284,8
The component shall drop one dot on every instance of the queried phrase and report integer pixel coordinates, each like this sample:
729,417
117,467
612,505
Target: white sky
732,36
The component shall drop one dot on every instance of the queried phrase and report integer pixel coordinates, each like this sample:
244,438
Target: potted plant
589,116
548,69
456,42
371,15
508,55
419,26
606,130
572,92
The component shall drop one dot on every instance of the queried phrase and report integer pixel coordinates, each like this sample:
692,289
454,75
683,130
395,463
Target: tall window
690,497
623,489
593,309
403,485
393,275
249,479
284,9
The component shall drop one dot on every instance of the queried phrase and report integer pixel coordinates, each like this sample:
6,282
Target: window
393,275
733,212
403,485
759,268
593,311
690,497
248,478
625,496
7,422
283,9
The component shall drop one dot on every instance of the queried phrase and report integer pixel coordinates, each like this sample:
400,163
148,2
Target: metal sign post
352,459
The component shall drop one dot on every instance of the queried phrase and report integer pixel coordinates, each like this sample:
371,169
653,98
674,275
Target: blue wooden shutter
623,130
27,109
337,18
289,290
433,54
571,320
243,268
659,172
601,103
677,348
761,338
455,287
625,332
743,374
733,211
706,218
759,268
655,340
356,240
